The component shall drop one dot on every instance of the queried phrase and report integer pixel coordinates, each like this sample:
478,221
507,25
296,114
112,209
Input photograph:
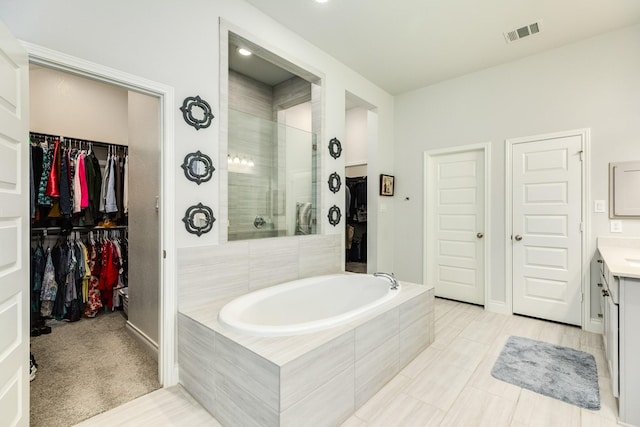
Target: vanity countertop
622,255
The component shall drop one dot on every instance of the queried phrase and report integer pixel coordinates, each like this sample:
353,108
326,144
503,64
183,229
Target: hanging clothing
43,199
110,204
84,189
125,192
49,287
53,187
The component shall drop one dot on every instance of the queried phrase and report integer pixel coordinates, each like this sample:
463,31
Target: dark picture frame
387,183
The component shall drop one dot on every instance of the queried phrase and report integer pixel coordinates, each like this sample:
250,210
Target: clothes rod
71,139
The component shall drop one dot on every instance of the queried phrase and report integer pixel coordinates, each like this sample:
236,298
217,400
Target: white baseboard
593,325
498,307
149,345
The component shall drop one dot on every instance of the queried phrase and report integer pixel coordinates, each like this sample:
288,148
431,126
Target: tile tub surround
315,379
212,273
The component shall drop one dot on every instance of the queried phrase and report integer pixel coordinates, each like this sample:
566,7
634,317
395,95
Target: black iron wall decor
334,182
198,219
198,167
196,112
334,215
335,148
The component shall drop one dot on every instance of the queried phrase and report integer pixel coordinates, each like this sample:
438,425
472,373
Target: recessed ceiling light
321,1
244,52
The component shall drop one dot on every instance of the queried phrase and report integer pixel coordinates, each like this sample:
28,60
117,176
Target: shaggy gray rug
552,370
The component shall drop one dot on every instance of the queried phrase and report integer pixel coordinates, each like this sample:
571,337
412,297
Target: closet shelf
98,228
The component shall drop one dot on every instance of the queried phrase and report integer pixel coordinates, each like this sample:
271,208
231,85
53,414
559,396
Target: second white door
455,211
547,241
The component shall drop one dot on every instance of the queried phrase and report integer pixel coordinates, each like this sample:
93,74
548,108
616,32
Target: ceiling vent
522,32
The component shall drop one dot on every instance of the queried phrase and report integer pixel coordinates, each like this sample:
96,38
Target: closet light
244,52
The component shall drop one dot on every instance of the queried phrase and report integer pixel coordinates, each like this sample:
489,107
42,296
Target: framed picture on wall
386,185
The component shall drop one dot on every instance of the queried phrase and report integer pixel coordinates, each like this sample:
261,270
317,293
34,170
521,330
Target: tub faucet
394,282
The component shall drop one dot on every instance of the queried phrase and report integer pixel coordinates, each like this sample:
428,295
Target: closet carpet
86,368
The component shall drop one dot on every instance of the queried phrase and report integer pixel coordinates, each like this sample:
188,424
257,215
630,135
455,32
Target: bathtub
366,333
306,305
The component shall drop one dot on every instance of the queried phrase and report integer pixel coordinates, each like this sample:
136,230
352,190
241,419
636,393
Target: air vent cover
526,31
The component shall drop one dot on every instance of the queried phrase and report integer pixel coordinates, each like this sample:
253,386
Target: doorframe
167,363
587,322
428,203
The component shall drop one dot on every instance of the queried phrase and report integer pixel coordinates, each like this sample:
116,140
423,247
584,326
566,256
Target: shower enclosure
272,168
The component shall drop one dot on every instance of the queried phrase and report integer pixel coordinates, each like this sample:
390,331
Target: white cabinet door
14,228
610,339
547,241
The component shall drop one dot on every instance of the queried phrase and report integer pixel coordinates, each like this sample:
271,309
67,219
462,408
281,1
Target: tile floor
450,383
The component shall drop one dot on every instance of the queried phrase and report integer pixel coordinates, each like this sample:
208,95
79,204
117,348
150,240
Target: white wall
177,44
67,105
356,141
590,84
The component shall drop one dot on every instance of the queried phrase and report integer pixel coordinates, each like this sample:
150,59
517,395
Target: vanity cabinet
610,325
620,280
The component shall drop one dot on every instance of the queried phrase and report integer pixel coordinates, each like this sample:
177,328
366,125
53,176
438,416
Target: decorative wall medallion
196,112
334,182
335,148
334,215
198,167
198,219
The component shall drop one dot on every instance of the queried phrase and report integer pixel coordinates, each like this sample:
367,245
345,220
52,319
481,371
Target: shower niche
273,119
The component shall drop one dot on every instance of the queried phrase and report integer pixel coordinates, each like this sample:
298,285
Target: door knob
479,235
518,237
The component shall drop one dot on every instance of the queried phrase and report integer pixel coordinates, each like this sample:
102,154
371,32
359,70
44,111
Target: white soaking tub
306,305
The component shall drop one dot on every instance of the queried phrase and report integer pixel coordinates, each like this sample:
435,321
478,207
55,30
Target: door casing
429,200
168,368
587,323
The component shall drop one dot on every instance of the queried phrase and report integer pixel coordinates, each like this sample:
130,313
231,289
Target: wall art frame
197,112
387,185
198,167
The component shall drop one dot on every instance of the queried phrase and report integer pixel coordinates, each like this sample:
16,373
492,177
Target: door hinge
581,227
581,155
164,253
582,297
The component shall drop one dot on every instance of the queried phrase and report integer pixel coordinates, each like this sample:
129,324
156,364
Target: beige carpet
86,368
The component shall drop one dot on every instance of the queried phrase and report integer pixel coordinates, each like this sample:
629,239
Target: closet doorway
361,132
99,349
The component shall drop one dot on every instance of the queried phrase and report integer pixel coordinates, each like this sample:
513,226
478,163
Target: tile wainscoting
315,379
210,273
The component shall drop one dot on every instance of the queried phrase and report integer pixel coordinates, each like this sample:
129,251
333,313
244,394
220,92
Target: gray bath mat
555,371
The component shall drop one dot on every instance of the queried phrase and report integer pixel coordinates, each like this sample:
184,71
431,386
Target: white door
546,231
14,226
455,254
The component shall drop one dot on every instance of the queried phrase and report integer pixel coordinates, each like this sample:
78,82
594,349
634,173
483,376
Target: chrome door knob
518,237
479,235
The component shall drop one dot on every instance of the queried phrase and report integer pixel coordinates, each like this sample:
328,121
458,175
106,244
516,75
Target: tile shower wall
222,271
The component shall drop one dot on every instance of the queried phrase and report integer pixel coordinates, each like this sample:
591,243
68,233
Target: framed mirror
334,182
335,148
334,215
196,112
198,167
198,219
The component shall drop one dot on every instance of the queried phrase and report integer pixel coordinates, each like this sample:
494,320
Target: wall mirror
272,156
624,188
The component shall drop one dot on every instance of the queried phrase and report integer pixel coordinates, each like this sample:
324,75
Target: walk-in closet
95,251
360,133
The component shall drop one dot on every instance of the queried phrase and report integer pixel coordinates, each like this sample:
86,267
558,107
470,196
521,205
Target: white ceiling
402,45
